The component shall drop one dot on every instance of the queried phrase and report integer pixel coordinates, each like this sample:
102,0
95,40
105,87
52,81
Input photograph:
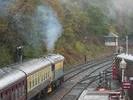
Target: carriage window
36,79
1,96
30,85
20,89
42,75
33,80
12,93
16,91
53,67
8,94
5,95
23,89
46,75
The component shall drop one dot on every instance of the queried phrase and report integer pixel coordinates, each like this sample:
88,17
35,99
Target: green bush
32,52
80,47
5,56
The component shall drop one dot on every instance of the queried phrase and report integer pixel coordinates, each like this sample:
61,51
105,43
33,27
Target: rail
68,95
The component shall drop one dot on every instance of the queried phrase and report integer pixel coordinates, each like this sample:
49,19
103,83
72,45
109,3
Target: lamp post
123,65
126,44
116,45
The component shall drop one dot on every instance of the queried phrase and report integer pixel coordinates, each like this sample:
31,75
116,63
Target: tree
98,21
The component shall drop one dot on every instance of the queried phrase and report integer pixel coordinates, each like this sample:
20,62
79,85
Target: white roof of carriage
9,76
125,56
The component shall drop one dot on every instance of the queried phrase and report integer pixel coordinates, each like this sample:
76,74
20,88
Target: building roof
111,34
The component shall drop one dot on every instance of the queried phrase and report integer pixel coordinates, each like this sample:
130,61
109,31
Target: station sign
126,85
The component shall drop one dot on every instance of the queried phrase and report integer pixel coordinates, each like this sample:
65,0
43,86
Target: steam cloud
49,25
123,6
42,25
5,6
119,11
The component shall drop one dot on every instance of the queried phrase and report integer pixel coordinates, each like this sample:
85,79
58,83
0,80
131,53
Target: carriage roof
31,66
55,58
9,76
125,56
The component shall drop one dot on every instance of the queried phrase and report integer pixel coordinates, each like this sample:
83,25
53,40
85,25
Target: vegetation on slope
84,25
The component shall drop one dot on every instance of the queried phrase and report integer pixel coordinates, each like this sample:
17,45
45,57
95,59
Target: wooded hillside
79,27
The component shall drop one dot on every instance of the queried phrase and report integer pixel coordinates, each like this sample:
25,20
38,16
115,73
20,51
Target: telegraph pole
126,44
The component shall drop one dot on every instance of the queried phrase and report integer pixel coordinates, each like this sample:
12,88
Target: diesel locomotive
25,80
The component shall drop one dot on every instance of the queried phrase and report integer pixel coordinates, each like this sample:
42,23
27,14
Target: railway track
78,88
73,77
84,67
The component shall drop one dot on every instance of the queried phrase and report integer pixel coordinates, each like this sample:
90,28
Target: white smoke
5,6
118,11
49,25
42,25
125,6
122,6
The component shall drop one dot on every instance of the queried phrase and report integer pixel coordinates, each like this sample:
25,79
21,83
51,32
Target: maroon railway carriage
128,71
26,80
12,84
